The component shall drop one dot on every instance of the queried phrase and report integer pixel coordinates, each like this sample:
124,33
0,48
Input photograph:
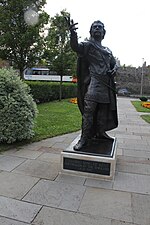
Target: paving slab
6,221
107,203
56,139
135,168
50,142
9,151
130,159
32,146
142,133
137,153
50,157
49,216
120,140
135,146
50,150
115,222
40,169
18,210
141,209
119,151
128,136
8,163
132,183
15,185
66,178
133,142
99,183
61,146
25,153
55,194
146,139
121,128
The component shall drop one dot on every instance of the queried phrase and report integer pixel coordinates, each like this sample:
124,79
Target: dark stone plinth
87,166
97,160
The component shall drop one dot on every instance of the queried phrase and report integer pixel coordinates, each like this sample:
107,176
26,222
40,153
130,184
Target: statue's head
97,29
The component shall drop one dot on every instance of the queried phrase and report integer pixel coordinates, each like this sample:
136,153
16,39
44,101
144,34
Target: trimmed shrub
43,91
143,99
17,108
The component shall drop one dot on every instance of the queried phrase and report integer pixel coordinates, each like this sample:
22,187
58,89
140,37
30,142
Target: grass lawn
140,108
54,118
146,118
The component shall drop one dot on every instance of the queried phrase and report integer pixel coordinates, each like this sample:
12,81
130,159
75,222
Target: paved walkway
33,192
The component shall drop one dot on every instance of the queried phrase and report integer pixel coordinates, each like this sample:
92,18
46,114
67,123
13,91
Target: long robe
110,120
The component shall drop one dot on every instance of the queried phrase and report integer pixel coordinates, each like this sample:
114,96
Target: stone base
98,160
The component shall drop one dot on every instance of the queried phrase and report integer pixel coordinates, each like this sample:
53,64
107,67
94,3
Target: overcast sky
127,24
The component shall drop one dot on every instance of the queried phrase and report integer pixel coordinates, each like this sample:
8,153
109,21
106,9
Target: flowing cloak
83,76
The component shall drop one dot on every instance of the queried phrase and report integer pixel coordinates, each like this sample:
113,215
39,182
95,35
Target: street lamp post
141,90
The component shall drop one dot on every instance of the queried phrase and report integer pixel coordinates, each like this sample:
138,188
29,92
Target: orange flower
146,104
73,100
74,80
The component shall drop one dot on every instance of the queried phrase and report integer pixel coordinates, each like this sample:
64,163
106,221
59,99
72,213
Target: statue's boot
83,142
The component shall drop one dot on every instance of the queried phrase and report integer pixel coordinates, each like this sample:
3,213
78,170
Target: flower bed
73,100
146,104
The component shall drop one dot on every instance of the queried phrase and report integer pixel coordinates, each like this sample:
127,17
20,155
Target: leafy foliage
17,108
58,51
20,42
49,91
143,98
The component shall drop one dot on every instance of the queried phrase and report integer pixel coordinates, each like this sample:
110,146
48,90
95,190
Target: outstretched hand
112,72
71,25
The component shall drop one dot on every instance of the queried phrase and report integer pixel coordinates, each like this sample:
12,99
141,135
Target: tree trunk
21,73
60,88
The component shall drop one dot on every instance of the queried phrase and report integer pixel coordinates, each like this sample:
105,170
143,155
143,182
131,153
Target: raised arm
73,36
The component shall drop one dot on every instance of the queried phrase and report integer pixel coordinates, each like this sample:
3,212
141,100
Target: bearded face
97,30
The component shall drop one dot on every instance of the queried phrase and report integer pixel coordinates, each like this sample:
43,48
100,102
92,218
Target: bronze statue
96,68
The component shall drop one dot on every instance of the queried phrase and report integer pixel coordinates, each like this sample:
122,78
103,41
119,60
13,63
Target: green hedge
43,91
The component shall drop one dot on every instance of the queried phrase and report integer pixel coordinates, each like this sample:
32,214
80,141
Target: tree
58,51
22,41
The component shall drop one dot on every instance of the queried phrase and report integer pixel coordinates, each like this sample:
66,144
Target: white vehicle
36,73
